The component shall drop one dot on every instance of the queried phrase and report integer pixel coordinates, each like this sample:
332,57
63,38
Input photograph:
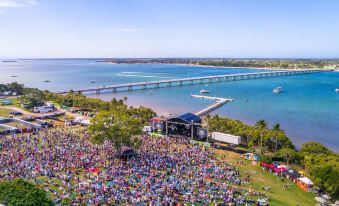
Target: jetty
189,81
218,103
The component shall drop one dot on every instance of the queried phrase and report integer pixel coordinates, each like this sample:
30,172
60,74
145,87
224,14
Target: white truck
226,138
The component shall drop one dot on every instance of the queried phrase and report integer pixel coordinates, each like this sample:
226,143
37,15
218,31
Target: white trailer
43,109
226,138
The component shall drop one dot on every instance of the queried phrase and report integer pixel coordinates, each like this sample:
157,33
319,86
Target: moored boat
278,90
203,91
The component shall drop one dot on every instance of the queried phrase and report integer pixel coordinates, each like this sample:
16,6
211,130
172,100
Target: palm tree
262,126
276,129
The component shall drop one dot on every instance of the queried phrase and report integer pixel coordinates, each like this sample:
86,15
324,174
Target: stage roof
188,117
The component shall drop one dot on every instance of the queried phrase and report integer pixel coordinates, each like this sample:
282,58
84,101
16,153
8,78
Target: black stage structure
188,125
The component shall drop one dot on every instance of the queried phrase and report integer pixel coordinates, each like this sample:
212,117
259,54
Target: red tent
281,169
271,166
263,164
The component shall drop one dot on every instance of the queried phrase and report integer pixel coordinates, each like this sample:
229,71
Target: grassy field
293,195
5,112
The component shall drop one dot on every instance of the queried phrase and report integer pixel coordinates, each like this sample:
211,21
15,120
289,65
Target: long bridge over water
190,81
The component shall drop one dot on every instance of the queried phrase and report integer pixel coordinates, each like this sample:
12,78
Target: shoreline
226,67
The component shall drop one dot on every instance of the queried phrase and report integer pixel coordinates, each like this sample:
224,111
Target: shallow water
308,109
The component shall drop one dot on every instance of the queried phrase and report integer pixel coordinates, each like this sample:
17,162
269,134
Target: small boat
14,76
150,93
337,90
93,81
46,81
203,91
278,90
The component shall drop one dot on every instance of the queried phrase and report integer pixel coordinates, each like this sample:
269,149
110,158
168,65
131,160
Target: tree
16,87
314,148
288,154
262,126
33,98
276,136
20,192
117,127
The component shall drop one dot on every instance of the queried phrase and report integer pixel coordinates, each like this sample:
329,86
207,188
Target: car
15,113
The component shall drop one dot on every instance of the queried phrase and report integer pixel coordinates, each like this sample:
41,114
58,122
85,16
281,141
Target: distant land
229,62
263,63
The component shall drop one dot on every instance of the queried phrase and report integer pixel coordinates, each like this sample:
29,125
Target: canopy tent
281,169
291,173
263,164
271,166
305,181
282,166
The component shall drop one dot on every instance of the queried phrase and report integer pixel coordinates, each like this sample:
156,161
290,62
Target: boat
14,76
150,93
46,81
93,81
203,91
278,90
8,61
337,90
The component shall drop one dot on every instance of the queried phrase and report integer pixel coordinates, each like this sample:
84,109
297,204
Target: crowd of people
164,171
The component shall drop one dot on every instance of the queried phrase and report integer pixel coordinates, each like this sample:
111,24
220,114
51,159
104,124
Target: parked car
15,113
29,118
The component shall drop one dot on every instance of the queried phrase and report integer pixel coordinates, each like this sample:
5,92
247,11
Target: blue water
308,109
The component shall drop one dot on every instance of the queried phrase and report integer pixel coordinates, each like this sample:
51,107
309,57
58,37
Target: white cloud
16,3
129,30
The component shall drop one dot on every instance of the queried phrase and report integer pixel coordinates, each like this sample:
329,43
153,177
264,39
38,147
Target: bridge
190,81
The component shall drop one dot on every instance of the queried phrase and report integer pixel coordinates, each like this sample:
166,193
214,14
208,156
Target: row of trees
270,63
82,102
12,87
258,136
321,164
231,62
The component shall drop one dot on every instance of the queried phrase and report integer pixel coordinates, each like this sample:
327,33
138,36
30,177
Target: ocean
308,109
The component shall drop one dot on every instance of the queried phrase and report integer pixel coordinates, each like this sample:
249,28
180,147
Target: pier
219,103
189,81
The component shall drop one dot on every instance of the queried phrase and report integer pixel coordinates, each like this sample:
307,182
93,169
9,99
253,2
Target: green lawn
258,178
4,112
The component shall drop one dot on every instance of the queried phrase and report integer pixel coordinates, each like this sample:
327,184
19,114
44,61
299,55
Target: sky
169,28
